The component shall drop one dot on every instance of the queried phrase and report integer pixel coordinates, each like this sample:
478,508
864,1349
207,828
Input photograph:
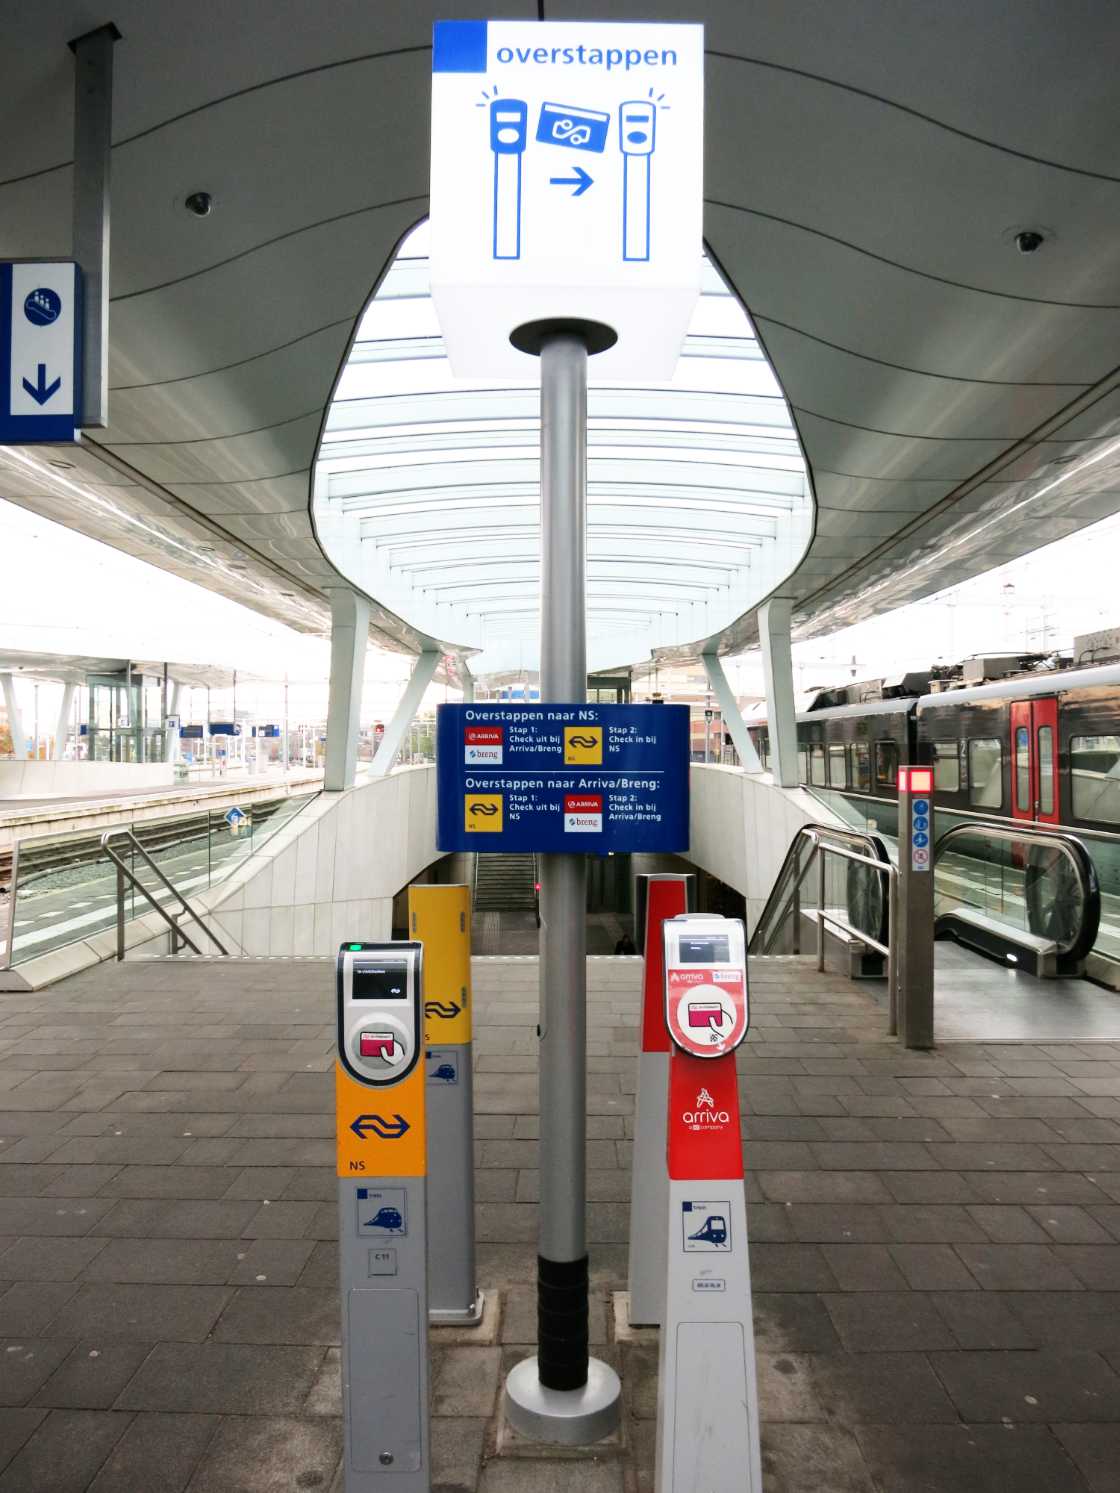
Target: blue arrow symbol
581,181
42,391
377,1125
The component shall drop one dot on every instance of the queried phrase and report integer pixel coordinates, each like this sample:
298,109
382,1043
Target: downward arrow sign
41,391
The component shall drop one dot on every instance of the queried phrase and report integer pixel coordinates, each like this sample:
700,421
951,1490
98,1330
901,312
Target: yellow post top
440,918
380,1132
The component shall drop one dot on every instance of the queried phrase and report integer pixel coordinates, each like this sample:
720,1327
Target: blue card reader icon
509,131
578,129
637,136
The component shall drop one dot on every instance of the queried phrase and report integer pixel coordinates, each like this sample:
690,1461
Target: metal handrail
124,870
1070,847
823,840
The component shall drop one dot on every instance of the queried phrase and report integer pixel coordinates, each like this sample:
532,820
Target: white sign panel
567,183
38,384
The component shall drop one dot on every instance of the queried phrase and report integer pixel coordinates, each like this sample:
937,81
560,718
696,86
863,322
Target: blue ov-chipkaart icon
509,130
637,129
42,306
578,129
921,841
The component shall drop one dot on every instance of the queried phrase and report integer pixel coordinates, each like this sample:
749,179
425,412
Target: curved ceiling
427,490
957,401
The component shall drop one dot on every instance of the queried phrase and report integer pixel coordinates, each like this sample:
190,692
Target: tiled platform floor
934,1241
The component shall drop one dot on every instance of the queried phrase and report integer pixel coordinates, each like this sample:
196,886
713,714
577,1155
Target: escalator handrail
818,837
1036,835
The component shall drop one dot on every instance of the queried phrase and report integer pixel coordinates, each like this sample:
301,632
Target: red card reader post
707,1402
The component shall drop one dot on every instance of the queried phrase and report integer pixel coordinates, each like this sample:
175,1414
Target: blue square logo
459,47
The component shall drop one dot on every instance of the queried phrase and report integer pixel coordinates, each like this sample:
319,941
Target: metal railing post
120,911
820,852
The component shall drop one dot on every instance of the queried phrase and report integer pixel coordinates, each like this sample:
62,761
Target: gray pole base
469,1316
569,1417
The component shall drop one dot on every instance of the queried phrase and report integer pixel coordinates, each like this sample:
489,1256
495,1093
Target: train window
861,767
816,765
803,764
1023,770
1045,769
1094,768
838,766
946,767
886,764
985,773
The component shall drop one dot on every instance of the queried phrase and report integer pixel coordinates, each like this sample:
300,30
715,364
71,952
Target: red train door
1034,760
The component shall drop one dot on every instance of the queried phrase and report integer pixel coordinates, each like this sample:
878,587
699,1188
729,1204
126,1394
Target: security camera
201,203
1028,241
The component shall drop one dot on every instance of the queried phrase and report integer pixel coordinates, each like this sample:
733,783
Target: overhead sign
567,182
41,362
562,778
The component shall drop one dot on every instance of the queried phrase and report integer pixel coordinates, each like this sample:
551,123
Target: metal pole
93,134
563,1395
285,724
820,906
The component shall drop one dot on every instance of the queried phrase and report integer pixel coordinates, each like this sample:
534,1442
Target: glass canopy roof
427,487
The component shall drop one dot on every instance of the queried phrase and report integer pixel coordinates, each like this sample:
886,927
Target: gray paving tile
224,1378
888,1322
50,1217
523,1475
1095,1451
53,1259
299,1314
1061,1319
1037,1386
1018,1267
963,1459
29,1307
457,1446
932,1267
1004,1224
92,1375
465,1381
788,1322
196,1262
812,1459
979,1319
142,1313
1068,1224
1095,1265
15,1428
879,1388
65,1452
157,1454
25,1364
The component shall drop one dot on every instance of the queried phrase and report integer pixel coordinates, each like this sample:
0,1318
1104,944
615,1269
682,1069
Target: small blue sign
562,779
921,841
575,128
233,817
920,806
42,306
921,821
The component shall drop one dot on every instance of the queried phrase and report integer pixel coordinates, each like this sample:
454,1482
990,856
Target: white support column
468,686
171,738
349,638
15,720
62,730
777,671
422,675
729,711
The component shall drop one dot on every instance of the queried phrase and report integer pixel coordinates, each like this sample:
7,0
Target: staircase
505,883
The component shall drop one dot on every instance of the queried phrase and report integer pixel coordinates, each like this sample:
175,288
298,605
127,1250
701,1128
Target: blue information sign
562,778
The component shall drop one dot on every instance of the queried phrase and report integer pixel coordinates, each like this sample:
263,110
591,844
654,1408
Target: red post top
704,1140
664,899
915,780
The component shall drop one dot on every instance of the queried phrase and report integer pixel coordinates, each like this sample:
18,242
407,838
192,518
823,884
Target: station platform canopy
956,401
79,668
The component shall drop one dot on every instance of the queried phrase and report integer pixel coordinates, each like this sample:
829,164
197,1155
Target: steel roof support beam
93,139
777,672
423,672
349,639
15,720
730,714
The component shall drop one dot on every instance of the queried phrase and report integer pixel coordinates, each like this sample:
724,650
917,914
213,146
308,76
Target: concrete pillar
349,637
423,672
15,720
777,671
171,738
62,730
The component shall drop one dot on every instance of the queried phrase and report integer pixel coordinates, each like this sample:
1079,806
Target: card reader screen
711,950
380,982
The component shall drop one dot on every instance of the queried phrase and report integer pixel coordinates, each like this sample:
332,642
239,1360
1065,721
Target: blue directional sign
562,778
40,353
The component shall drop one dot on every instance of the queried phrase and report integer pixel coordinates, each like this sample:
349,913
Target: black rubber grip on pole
562,1322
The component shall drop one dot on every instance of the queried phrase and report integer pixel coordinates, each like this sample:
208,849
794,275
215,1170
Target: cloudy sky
62,592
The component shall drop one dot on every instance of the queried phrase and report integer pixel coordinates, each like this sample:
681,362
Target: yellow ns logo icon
583,745
483,813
